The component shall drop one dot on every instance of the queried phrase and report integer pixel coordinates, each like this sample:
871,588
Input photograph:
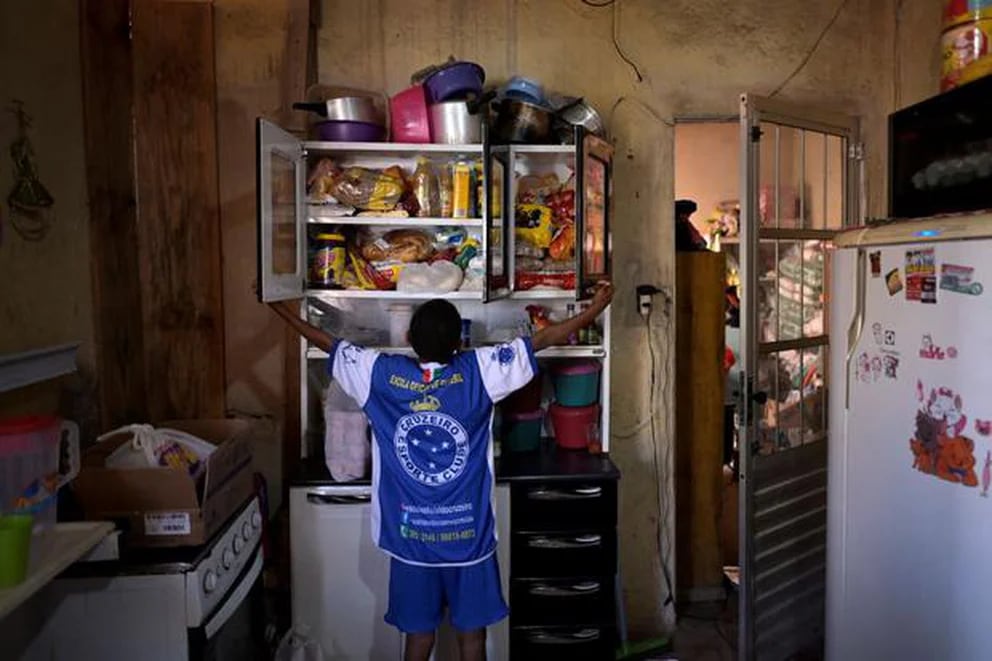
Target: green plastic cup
15,545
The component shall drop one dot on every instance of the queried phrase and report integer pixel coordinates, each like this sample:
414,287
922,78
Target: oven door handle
234,600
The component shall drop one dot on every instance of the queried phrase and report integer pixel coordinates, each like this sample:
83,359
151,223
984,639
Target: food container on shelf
957,12
527,398
30,455
410,119
966,55
522,431
572,425
454,81
338,131
577,383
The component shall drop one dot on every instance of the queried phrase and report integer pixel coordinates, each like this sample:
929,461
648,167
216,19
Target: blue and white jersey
432,459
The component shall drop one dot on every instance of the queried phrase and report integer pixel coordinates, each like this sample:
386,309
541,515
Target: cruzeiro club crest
431,447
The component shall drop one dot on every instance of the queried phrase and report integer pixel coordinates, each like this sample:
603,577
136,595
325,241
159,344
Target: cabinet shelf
22,369
393,295
544,294
390,147
314,215
594,351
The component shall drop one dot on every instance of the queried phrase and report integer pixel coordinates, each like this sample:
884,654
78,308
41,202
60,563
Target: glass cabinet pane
594,248
284,227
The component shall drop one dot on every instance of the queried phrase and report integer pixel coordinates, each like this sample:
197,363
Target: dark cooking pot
521,122
454,81
334,131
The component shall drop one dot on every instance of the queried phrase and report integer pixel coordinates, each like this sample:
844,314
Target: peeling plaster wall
696,58
45,294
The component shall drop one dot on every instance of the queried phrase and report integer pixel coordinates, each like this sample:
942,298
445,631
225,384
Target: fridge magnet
983,427
890,365
876,368
876,329
921,276
938,446
987,474
876,263
864,368
893,282
958,279
890,338
930,351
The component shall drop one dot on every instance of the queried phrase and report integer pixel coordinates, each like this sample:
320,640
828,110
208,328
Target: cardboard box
158,507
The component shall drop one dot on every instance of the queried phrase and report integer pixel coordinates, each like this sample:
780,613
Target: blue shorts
418,596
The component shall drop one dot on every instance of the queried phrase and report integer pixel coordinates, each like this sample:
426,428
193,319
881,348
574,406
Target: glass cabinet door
281,239
496,220
593,246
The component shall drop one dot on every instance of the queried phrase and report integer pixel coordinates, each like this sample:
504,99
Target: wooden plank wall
150,100
699,396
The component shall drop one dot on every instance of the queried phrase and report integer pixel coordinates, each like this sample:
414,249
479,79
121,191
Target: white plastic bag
436,278
347,452
158,447
297,645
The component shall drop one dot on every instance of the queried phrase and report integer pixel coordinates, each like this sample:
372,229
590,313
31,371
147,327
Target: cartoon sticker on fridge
938,444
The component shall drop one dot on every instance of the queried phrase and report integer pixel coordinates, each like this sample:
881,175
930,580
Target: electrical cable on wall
616,34
813,49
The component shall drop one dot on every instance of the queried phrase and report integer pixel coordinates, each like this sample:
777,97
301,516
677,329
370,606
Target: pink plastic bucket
409,116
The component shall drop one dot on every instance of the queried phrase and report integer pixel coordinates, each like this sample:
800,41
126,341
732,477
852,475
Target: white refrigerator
909,533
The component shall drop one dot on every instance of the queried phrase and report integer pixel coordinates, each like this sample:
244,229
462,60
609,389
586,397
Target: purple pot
454,82
333,131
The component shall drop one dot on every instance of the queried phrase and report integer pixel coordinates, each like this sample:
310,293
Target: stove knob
209,581
227,559
256,520
238,544
246,530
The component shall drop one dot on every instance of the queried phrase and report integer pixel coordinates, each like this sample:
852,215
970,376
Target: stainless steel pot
522,122
454,123
347,109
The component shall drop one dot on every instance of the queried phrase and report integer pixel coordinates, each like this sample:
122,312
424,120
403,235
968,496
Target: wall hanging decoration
31,205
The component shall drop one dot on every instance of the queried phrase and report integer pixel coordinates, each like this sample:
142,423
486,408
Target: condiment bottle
425,189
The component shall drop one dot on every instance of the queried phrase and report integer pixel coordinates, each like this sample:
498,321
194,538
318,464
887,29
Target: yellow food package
533,224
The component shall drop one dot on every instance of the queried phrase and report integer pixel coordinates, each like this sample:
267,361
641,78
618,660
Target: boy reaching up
432,463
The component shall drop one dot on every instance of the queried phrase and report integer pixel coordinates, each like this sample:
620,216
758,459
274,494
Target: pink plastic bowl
410,119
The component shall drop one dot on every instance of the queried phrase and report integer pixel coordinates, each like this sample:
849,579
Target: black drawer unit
573,643
563,566
563,601
564,505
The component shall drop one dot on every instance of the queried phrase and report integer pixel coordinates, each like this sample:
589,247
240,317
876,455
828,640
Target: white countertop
60,547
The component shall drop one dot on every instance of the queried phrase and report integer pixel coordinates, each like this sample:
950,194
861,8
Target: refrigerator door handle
857,322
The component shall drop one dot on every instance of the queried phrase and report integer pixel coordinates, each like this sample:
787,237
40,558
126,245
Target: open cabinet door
799,168
496,223
281,230
593,241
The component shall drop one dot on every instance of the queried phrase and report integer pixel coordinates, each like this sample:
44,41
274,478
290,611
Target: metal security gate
800,169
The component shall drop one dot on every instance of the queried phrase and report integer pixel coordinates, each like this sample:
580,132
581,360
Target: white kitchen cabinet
340,580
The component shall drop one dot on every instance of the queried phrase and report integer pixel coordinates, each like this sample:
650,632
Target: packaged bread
368,189
403,245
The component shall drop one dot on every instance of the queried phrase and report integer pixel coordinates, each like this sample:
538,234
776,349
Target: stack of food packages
798,305
428,259
544,214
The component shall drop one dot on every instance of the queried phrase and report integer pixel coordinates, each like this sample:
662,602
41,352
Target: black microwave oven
940,153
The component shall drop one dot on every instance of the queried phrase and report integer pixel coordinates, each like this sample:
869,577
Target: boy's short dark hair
436,331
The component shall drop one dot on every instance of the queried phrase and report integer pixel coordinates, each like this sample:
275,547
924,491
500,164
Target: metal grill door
798,168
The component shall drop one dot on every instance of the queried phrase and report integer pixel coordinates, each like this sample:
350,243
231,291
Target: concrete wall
45,284
695,58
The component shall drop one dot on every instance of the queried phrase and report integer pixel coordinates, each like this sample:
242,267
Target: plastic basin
572,425
577,383
522,431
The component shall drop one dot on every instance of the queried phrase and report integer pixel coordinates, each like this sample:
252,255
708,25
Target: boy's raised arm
312,333
558,333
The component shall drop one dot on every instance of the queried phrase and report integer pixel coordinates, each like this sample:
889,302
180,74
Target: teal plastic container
577,383
522,431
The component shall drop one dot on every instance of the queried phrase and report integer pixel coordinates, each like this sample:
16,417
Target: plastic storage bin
572,425
577,383
522,431
409,116
29,450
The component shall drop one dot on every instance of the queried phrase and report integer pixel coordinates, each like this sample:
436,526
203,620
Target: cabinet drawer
540,555
562,601
564,505
566,643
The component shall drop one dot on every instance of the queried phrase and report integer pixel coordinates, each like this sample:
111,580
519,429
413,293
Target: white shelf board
314,216
57,549
551,352
544,294
393,295
391,147
543,149
22,369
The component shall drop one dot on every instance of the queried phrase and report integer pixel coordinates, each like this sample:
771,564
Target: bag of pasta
372,190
